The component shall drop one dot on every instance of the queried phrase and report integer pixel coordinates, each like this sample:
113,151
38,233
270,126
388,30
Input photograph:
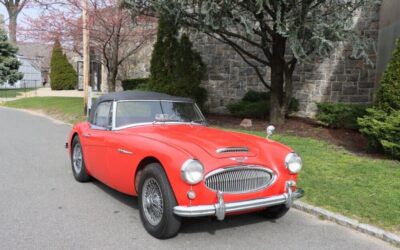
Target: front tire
156,203
78,162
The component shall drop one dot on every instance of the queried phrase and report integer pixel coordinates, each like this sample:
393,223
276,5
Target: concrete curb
347,222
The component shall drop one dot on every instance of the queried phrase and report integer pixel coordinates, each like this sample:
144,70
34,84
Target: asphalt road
43,207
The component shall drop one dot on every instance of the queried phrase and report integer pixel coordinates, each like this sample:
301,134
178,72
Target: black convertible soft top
135,95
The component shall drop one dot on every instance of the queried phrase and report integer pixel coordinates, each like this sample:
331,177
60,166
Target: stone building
335,79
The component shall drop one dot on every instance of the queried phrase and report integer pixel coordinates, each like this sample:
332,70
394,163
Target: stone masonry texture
338,78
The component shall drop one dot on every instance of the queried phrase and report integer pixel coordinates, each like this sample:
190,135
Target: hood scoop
231,150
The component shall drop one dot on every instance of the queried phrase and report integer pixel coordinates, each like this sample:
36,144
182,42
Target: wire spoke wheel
152,201
77,158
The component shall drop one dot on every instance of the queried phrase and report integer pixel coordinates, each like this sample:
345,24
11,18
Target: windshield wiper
199,122
166,120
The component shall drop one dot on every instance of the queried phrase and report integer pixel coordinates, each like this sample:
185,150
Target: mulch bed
350,140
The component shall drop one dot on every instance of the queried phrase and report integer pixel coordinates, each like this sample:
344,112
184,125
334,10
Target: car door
125,149
95,141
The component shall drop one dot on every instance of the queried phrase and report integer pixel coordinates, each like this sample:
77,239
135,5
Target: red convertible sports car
158,147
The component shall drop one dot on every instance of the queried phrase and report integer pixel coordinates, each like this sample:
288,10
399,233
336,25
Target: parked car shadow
123,198
191,225
211,225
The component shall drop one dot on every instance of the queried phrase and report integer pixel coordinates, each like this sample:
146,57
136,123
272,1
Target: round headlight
293,162
192,171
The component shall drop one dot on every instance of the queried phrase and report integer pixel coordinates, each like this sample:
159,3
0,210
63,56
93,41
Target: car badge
239,159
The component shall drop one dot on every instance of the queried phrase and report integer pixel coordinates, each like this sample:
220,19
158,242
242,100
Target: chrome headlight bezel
293,163
192,171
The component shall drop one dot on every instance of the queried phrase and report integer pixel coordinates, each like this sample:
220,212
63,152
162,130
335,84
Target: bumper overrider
221,208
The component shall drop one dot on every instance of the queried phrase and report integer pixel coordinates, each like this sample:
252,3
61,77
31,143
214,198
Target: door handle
86,135
123,151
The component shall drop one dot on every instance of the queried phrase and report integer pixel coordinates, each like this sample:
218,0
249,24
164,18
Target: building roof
41,52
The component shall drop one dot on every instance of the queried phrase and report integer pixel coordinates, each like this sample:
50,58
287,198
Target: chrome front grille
232,150
241,179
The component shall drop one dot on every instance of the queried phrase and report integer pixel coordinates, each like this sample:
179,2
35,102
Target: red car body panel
172,145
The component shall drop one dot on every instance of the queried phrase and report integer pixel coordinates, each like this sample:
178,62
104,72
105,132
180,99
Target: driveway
43,207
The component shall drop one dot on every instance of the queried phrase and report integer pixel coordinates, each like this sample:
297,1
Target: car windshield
136,112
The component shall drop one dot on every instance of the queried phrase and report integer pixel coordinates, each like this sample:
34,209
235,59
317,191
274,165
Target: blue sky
33,12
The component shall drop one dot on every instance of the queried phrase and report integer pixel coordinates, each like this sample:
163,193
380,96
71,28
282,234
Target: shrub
62,74
388,95
176,69
381,125
340,115
255,96
131,84
246,109
382,130
255,104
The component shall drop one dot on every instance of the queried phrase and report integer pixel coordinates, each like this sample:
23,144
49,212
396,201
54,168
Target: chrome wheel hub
77,158
152,201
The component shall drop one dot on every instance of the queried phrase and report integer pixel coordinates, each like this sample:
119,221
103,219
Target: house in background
39,55
32,74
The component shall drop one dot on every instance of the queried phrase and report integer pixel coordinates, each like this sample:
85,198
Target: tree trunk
278,64
277,107
12,26
111,80
113,63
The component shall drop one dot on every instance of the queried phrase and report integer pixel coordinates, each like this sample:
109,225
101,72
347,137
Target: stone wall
228,76
334,79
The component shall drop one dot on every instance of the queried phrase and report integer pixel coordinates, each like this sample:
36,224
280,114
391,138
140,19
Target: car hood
217,143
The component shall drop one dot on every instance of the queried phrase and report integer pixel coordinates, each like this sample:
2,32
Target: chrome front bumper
221,208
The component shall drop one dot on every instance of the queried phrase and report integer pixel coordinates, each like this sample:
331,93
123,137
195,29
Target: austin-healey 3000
159,148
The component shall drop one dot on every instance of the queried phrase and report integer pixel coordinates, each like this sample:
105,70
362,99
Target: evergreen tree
175,68
163,61
189,71
62,74
382,123
388,96
9,63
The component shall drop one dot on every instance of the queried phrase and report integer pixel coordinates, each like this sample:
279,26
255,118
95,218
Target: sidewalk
60,93
46,92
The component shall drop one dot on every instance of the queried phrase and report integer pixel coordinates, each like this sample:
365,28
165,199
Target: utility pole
86,56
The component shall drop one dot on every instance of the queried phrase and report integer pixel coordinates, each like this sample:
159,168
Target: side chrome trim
221,208
123,151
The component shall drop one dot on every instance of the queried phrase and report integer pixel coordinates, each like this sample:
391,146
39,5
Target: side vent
232,150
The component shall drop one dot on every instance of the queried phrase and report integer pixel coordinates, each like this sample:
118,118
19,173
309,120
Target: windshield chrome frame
114,115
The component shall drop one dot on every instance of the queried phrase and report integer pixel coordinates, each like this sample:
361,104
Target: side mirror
270,131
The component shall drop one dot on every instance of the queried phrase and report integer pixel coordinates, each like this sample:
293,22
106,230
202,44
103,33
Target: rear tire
275,212
156,203
78,161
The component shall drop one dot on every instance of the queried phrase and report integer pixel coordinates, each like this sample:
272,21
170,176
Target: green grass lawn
360,187
11,93
357,186
68,109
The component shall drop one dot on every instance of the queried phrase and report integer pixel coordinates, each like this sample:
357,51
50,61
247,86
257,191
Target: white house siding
32,75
